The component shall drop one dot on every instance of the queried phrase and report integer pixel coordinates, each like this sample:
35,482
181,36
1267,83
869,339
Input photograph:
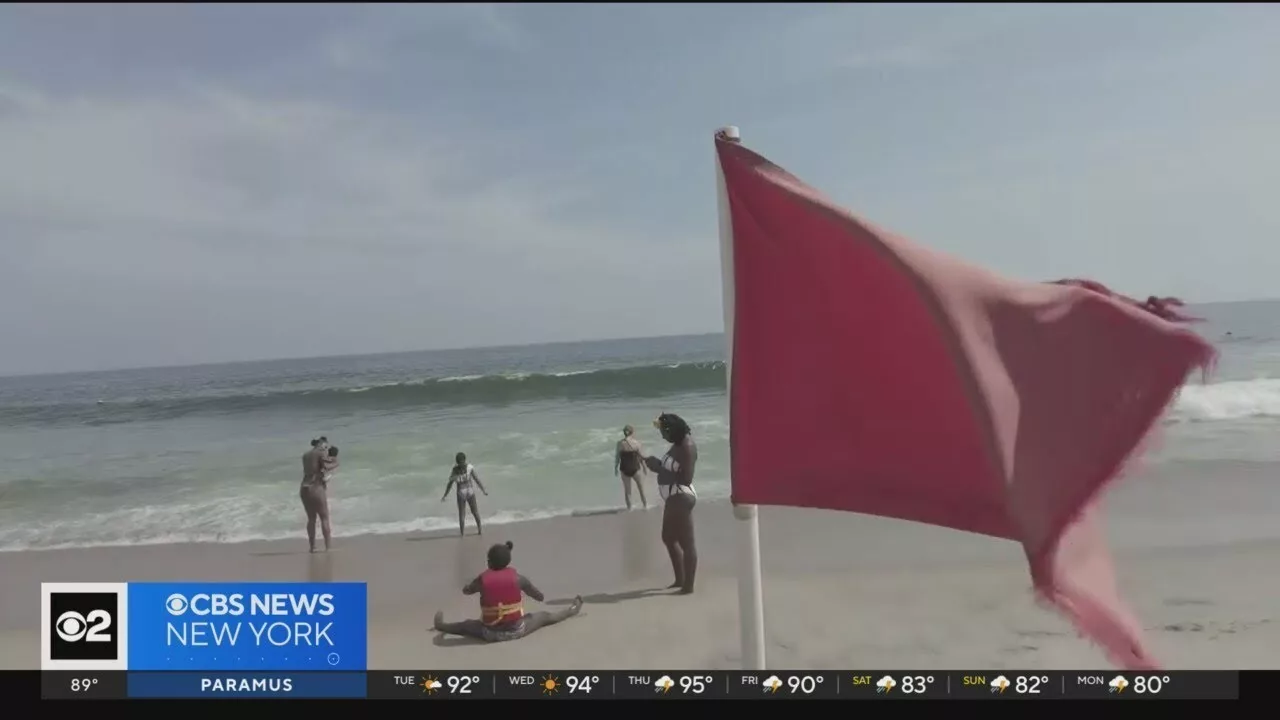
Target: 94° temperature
580,684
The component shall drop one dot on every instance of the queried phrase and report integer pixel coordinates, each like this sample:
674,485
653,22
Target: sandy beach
841,591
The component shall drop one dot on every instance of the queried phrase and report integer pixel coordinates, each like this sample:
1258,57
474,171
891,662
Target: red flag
874,375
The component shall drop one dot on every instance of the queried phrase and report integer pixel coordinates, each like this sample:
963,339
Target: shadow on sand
607,598
439,536
320,568
443,640
281,553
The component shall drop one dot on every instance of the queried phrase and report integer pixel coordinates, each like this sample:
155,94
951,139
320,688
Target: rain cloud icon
771,684
999,685
885,684
1118,684
663,684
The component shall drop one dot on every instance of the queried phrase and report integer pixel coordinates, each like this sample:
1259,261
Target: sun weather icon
430,685
550,684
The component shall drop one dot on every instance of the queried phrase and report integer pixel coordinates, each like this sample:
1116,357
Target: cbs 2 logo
74,627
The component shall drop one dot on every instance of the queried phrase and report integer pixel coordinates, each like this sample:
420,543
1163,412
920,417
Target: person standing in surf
314,496
627,463
675,487
464,478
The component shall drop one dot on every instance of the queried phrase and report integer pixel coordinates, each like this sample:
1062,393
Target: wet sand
841,591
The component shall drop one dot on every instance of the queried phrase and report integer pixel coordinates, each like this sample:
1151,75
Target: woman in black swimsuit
626,462
675,485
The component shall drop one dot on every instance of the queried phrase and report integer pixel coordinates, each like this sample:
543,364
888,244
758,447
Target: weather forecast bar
871,685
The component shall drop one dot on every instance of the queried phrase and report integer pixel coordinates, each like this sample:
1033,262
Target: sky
183,184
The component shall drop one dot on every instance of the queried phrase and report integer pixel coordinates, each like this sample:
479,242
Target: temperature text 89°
82,684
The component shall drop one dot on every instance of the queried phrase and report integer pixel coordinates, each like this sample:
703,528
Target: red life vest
501,599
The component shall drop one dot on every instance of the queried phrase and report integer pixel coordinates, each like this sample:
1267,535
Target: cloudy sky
183,184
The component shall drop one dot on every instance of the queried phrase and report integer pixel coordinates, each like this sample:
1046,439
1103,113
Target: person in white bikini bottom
465,478
675,486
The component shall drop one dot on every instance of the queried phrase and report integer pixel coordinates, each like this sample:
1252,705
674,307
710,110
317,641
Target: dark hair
315,442
324,439
333,451
460,459
500,555
673,427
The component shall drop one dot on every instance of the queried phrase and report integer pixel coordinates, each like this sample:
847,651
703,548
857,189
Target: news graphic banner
202,627
865,685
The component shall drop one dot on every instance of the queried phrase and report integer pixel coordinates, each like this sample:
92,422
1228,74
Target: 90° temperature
803,684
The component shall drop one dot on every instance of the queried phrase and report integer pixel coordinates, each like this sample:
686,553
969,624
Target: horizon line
348,356
247,361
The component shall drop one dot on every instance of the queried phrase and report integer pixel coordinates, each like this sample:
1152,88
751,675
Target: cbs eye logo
83,626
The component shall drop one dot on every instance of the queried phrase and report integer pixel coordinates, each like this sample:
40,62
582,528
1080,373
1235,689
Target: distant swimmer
502,615
464,477
675,486
315,498
627,463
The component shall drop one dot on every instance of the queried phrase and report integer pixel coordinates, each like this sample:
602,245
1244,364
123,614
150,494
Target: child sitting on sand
502,615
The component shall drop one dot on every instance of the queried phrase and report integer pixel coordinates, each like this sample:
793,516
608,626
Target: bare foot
577,605
438,620
685,591
675,585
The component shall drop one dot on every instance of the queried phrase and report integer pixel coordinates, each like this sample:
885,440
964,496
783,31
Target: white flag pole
750,587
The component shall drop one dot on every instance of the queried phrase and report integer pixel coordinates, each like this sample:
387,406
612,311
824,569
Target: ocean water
211,453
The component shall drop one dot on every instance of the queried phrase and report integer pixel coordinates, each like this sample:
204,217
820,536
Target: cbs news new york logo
84,626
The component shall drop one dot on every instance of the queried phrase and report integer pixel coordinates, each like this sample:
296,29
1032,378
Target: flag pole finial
730,133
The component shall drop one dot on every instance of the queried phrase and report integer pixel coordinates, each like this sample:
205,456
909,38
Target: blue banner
247,685
248,626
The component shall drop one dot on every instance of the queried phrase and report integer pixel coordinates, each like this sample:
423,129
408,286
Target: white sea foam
1234,400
